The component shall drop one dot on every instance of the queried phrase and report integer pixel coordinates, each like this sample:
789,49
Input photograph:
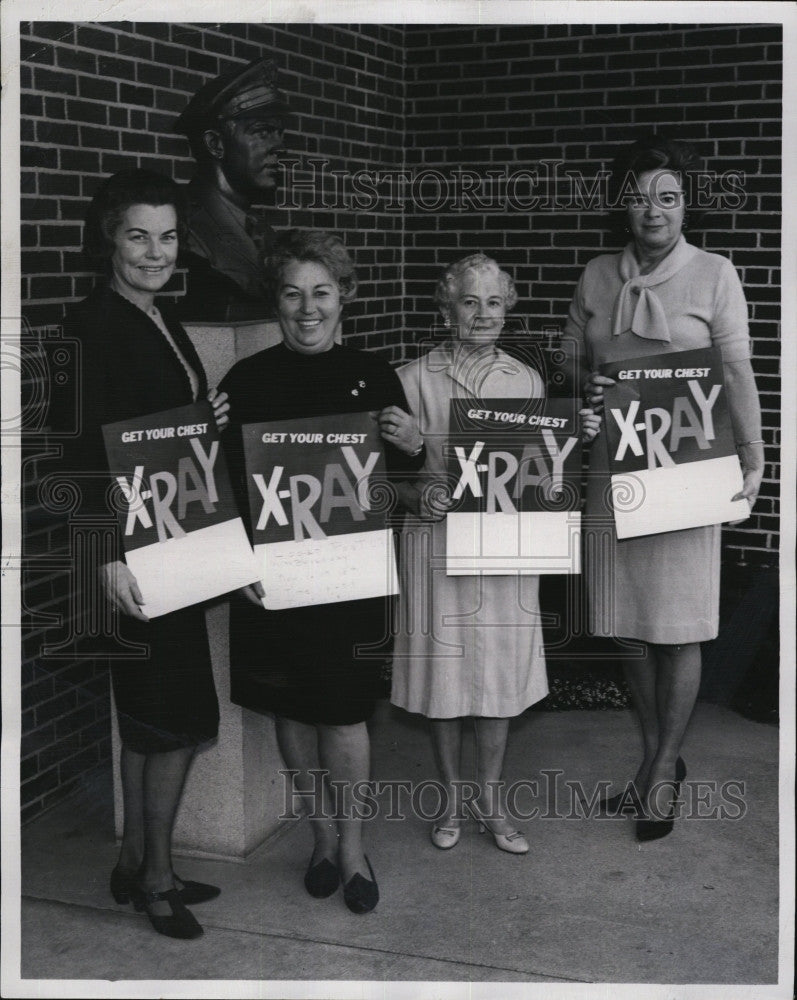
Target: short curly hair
450,278
318,247
652,151
115,196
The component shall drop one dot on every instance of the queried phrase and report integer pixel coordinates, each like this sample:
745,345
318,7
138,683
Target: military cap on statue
233,95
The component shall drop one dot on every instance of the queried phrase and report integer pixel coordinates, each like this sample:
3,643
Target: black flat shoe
323,879
180,924
360,894
125,889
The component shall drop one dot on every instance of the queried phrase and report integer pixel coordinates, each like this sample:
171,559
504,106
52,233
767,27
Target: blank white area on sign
348,567
195,567
529,542
691,495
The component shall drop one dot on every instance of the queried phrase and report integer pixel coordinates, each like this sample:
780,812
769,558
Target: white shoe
445,837
512,843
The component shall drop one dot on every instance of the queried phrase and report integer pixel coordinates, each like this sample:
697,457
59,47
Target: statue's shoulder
206,219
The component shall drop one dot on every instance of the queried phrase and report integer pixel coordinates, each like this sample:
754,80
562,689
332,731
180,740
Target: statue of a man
235,125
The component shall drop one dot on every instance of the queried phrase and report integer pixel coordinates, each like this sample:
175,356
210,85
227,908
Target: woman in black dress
139,360
300,663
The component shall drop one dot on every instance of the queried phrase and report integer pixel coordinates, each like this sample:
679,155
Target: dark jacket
127,369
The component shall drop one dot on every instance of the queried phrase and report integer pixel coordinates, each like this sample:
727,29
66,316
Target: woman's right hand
590,424
254,593
593,390
121,589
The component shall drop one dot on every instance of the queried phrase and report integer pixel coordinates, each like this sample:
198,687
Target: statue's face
247,153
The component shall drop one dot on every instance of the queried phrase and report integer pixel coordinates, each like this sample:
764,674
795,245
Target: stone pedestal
220,345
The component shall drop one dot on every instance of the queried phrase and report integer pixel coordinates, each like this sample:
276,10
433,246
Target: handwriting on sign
691,417
187,487
308,496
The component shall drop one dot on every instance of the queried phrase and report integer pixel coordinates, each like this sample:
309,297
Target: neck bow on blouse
637,307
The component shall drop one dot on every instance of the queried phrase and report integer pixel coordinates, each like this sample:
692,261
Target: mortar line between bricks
327,943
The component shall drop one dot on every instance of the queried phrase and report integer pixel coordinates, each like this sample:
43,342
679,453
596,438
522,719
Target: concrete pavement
588,904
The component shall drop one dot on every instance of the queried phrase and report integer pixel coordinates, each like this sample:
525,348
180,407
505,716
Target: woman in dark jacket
138,360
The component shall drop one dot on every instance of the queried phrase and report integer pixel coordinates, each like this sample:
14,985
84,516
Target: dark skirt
319,665
167,701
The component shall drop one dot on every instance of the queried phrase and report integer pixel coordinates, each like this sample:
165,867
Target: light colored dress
466,645
657,588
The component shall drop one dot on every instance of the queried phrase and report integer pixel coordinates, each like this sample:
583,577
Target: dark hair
311,245
118,193
653,151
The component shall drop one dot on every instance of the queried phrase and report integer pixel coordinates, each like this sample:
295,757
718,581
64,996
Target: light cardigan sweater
702,301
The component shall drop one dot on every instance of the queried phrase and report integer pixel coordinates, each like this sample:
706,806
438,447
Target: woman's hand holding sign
400,429
121,589
221,408
594,388
590,424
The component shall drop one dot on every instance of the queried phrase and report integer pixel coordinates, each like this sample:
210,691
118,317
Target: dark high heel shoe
609,806
628,799
655,829
124,885
360,894
192,893
181,923
125,888
323,879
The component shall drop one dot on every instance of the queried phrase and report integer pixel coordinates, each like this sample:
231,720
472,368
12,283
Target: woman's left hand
590,424
221,408
400,429
752,458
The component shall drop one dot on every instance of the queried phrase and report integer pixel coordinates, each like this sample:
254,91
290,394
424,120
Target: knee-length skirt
168,700
465,645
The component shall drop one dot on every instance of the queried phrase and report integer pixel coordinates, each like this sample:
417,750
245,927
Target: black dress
302,663
168,700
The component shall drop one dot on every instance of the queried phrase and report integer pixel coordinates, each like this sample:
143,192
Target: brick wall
97,98
558,98
376,103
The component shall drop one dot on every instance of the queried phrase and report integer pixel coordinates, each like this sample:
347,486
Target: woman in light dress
468,647
660,294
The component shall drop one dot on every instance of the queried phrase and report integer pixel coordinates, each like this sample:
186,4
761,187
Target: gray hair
450,279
